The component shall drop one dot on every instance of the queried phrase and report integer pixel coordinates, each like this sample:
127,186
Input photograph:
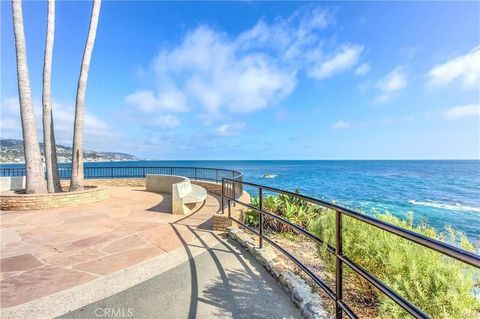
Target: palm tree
53,181
77,178
35,180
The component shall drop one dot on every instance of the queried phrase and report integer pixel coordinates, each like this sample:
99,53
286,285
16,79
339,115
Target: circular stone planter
18,200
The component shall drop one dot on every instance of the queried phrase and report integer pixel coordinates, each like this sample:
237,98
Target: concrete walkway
129,254
221,282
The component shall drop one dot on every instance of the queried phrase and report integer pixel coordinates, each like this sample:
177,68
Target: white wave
269,175
454,206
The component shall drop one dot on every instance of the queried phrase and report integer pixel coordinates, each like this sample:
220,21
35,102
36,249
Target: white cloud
291,37
258,68
464,69
340,125
98,134
210,69
363,69
168,100
341,61
230,129
470,110
166,121
393,82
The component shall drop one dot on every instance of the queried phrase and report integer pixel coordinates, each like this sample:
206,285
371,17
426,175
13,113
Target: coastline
112,161
269,160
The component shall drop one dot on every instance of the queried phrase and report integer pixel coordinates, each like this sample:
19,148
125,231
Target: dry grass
307,251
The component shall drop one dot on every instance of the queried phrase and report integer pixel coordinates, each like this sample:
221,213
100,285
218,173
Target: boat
269,175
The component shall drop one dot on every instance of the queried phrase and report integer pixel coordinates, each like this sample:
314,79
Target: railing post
143,172
229,209
223,199
260,216
338,265
216,175
111,172
234,194
195,173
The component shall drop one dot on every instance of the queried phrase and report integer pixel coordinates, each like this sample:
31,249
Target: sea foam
454,206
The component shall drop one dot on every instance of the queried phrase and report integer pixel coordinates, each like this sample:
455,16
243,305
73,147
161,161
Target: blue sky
270,80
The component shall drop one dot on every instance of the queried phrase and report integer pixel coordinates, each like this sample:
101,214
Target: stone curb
301,294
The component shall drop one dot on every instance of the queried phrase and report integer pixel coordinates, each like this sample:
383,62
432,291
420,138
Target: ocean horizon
437,192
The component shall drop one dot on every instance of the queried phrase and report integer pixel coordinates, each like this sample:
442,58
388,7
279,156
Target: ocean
440,192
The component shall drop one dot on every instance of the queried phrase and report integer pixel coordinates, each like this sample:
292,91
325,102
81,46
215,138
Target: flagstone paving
46,251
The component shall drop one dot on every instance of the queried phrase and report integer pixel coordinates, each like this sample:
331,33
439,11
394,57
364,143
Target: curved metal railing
336,294
195,173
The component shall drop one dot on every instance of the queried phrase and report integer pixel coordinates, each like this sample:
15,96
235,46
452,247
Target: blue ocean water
439,192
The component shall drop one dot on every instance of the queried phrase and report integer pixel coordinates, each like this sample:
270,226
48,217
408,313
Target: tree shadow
240,292
192,310
192,218
238,295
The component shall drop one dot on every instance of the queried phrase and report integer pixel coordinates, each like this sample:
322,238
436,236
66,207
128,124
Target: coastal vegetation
439,285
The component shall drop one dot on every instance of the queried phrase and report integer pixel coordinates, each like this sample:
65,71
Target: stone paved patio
44,252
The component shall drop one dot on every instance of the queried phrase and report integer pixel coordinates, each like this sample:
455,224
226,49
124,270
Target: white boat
269,175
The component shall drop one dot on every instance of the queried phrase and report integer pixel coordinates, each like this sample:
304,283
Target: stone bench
182,190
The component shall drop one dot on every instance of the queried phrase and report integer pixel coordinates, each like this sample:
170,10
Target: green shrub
439,285
291,208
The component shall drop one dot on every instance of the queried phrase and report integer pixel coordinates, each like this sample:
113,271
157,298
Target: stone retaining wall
15,201
211,187
113,182
216,188
221,222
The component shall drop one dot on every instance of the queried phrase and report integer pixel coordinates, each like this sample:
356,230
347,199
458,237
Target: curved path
221,282
59,260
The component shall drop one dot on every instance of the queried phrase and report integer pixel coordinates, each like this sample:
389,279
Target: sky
251,80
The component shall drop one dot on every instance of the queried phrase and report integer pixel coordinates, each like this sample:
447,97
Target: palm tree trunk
35,180
53,182
77,178
56,178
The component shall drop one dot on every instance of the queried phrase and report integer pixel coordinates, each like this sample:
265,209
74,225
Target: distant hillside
12,152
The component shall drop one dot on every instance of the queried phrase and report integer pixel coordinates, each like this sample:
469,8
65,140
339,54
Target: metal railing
340,259
195,173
